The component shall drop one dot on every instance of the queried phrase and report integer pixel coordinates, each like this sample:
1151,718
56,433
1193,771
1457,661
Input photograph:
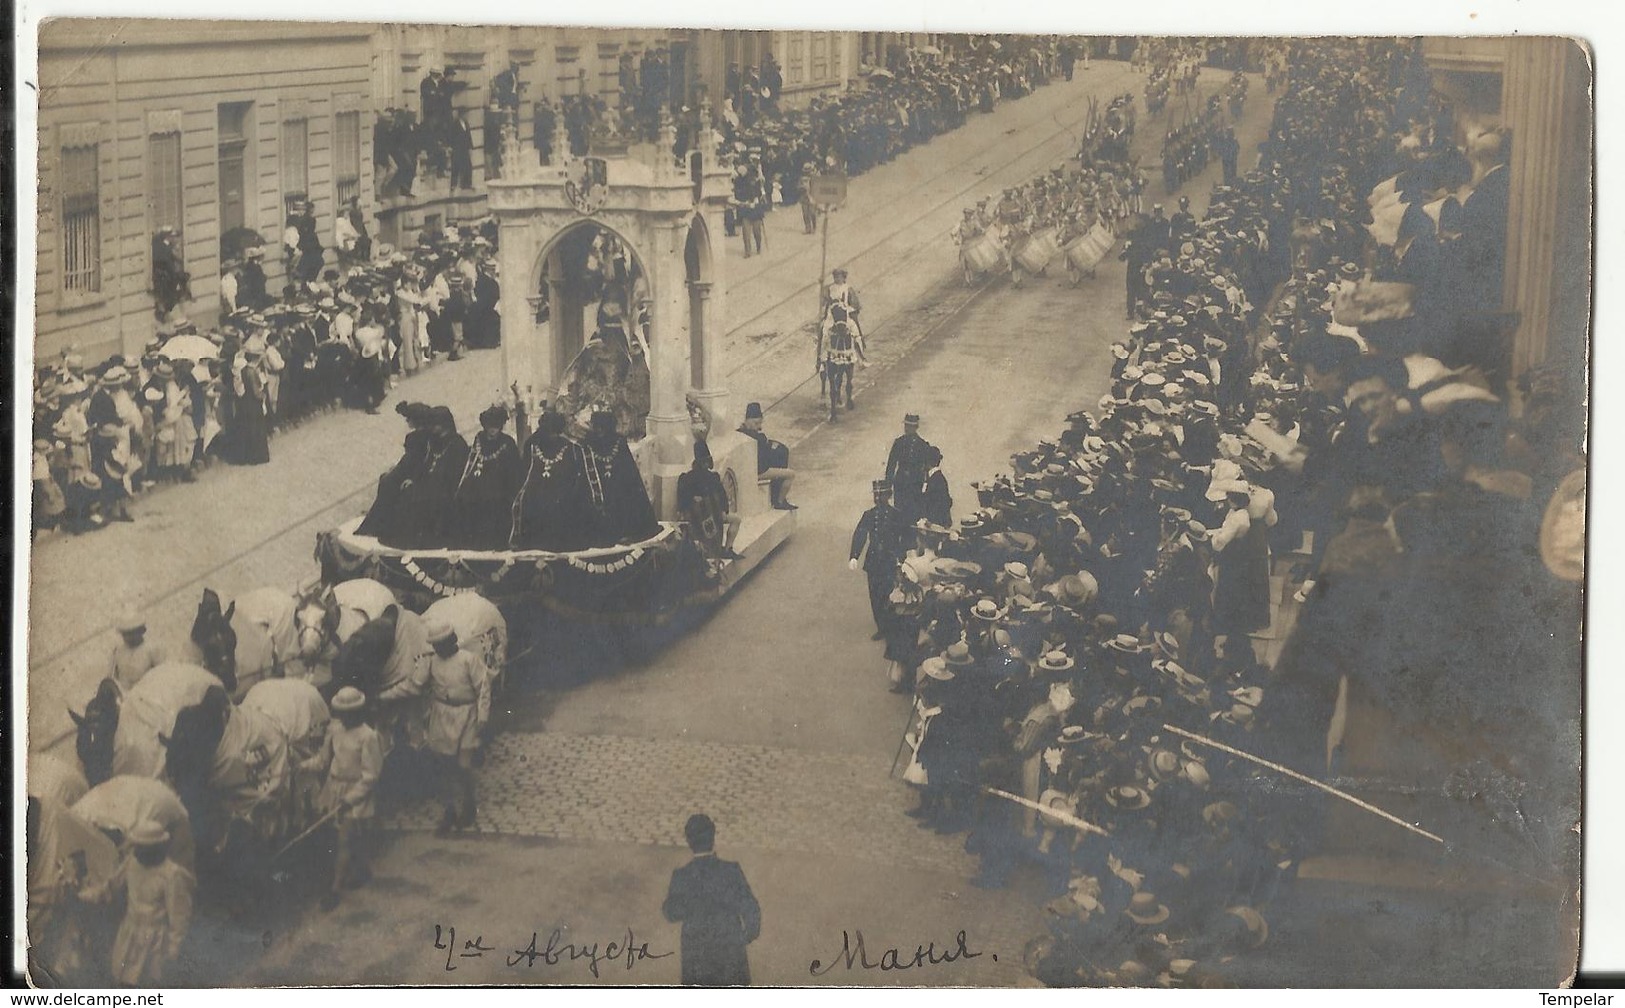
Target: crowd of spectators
106,431
1076,642
775,151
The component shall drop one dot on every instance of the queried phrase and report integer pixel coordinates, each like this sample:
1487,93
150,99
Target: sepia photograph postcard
525,504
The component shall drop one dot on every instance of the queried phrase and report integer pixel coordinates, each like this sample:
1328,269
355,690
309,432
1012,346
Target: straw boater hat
1056,661
1016,569
987,610
349,699
1143,908
1126,643
1127,796
958,655
115,375
1071,735
1163,763
1258,929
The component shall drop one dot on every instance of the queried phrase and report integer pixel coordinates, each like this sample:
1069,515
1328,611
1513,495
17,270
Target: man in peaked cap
906,466
772,459
881,538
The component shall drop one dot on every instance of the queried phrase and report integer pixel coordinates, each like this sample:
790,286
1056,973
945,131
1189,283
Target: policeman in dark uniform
886,535
906,467
1182,225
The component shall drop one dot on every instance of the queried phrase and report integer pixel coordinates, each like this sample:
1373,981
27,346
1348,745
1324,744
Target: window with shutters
609,69
347,155
836,43
164,193
568,61
81,219
295,159
795,69
820,57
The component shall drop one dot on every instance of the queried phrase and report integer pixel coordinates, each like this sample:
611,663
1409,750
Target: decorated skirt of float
642,583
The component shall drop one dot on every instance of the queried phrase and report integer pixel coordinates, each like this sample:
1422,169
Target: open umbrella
189,347
880,72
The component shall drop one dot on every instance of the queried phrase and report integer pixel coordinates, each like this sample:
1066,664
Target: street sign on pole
828,190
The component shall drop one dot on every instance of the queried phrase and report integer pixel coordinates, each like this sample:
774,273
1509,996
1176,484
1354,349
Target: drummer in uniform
459,691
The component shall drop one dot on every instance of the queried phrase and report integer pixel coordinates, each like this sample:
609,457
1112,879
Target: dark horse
233,860
215,639
95,731
363,662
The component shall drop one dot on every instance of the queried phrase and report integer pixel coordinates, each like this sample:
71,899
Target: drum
1086,251
983,253
1035,254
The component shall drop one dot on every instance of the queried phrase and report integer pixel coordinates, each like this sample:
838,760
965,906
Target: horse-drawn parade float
614,299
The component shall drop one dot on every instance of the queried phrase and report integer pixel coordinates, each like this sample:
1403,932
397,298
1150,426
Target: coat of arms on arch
587,186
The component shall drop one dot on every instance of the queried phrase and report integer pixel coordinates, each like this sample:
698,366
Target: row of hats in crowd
1076,632
867,125
103,430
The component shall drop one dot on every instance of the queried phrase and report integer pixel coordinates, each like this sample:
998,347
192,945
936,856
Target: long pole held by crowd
824,210
1295,775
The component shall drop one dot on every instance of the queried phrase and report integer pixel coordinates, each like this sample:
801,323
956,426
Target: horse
298,710
118,732
230,766
269,633
480,628
120,804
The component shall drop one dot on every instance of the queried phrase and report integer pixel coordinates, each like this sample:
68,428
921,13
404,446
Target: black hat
753,411
882,486
702,451
441,415
494,416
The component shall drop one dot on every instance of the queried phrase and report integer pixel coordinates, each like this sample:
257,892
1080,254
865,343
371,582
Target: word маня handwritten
629,951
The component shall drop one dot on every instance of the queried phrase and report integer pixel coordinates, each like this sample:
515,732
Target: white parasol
189,347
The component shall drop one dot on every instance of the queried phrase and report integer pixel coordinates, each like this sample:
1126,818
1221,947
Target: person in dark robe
384,517
703,503
171,284
308,266
426,500
719,913
251,289
484,326
481,516
936,504
549,512
247,441
619,510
